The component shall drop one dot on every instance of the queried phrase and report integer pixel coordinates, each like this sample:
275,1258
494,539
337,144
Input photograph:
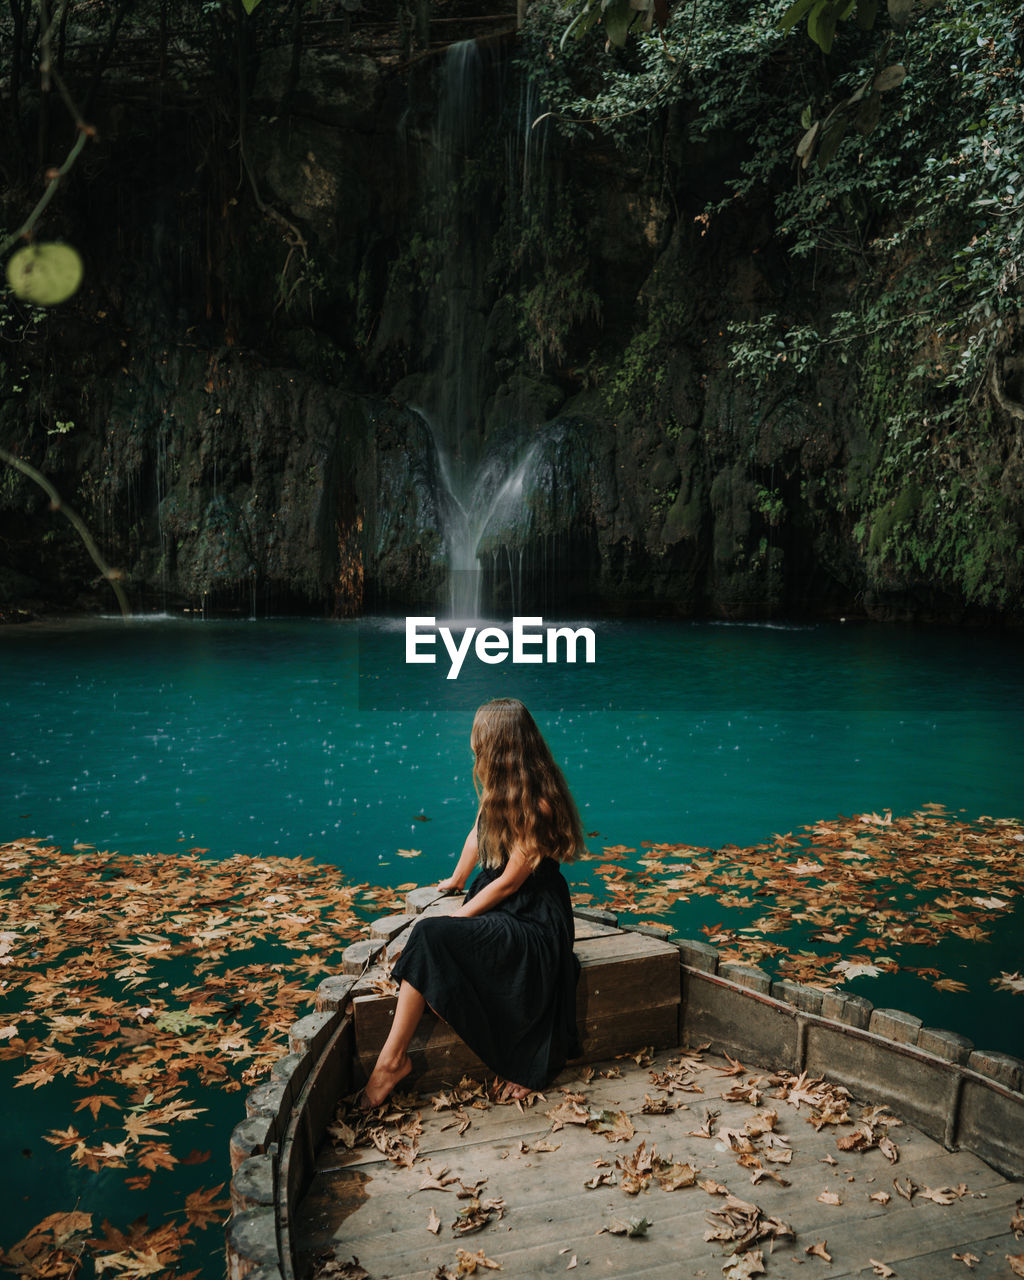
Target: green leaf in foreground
45,274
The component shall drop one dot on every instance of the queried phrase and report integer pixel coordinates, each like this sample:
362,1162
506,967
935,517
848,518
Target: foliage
553,307
620,18
913,233
131,981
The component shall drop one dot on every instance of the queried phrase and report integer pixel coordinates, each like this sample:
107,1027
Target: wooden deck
552,1219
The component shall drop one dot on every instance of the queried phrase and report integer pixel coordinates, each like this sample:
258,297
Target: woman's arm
466,863
516,871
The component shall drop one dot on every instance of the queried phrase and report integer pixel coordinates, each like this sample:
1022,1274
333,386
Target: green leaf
821,25
831,137
889,77
805,147
45,273
793,14
249,5
617,19
869,114
806,116
867,12
899,11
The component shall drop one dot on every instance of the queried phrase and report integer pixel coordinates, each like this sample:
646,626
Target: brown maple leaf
203,1210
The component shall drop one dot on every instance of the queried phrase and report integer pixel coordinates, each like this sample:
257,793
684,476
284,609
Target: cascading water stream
486,484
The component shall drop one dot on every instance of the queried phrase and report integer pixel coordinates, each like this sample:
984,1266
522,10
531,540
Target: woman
500,970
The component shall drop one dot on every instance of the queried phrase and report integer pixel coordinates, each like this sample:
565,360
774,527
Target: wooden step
627,998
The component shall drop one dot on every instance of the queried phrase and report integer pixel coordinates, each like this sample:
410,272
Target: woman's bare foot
514,1092
383,1079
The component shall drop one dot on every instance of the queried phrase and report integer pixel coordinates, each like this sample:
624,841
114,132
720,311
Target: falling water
484,484
497,495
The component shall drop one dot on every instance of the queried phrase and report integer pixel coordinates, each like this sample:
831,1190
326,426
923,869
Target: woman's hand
456,882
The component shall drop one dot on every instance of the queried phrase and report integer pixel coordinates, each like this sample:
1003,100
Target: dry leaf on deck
616,1126
745,1266
469,1263
707,1129
968,1259
819,1250
881,1269
433,1222
940,1195
632,1227
440,1181
671,1177
829,1197
889,1149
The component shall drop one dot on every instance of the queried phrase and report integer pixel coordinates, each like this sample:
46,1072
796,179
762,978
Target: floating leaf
849,969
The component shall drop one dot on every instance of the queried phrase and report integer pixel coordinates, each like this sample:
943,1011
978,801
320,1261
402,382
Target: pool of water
314,738
254,737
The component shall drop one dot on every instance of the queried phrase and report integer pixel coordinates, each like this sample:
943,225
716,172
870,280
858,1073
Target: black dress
504,981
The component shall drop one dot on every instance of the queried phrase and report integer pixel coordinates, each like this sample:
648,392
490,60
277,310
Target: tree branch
79,525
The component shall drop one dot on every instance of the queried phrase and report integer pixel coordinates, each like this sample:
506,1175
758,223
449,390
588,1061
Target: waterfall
484,482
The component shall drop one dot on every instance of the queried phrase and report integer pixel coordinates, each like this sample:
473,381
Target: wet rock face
299,406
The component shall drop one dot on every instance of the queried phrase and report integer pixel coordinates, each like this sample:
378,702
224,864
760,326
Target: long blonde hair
525,802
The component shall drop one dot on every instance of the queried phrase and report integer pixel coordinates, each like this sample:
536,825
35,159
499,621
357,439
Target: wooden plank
587,929
622,946
909,1232
643,981
439,1055
548,1209
653,1027
543,1218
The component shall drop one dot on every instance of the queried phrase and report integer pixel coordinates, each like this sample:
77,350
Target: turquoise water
256,738
250,737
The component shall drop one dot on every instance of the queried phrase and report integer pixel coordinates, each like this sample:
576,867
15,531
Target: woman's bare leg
393,1061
